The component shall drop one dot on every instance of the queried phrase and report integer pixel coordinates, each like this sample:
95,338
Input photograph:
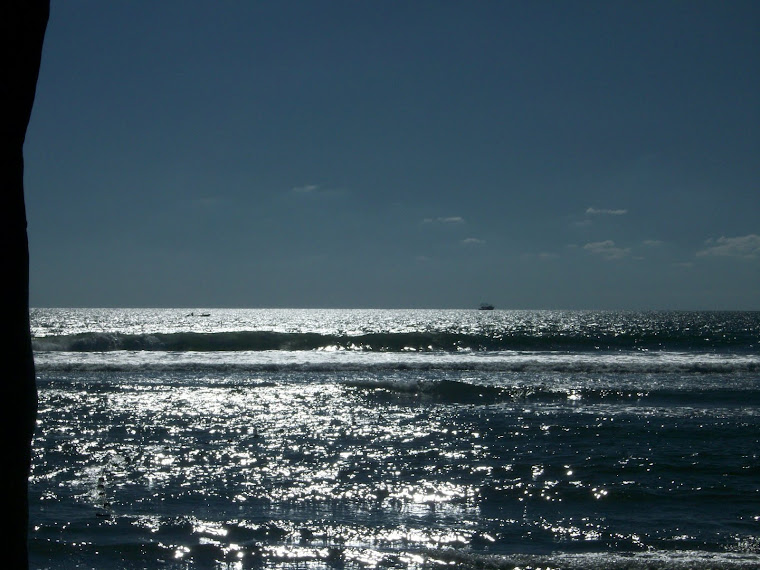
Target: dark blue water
363,439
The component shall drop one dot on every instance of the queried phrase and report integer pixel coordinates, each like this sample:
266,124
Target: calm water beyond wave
350,439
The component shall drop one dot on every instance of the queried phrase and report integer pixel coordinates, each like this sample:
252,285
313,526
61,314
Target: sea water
353,439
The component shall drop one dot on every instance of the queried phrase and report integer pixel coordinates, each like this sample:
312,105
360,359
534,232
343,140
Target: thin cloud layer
444,220
604,212
306,189
317,191
747,247
607,249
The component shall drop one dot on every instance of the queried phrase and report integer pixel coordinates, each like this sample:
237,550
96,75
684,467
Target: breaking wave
388,342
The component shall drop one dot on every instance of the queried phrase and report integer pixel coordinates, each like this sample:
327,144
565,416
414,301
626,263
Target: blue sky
598,155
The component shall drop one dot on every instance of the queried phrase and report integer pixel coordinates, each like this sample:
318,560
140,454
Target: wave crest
380,342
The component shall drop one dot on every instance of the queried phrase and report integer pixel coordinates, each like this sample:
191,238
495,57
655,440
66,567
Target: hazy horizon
474,308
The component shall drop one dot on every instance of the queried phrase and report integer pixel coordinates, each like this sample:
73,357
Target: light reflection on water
464,439
496,324
307,452
310,471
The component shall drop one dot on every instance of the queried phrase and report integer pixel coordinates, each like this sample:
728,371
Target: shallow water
624,441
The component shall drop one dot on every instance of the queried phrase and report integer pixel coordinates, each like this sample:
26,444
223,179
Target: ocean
403,439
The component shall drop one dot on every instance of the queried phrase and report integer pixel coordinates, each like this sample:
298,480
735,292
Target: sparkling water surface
396,439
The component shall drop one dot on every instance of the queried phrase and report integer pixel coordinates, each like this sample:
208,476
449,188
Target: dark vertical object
23,30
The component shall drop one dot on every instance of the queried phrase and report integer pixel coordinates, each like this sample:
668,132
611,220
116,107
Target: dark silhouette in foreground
23,30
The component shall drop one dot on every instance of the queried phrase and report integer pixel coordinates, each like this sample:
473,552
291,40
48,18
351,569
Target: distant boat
485,307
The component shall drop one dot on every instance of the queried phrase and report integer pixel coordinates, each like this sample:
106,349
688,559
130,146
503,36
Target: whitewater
409,439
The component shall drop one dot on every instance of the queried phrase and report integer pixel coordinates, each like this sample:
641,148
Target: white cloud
317,191
747,247
449,220
603,212
607,249
473,241
652,242
306,189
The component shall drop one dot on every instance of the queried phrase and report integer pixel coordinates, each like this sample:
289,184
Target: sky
388,154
